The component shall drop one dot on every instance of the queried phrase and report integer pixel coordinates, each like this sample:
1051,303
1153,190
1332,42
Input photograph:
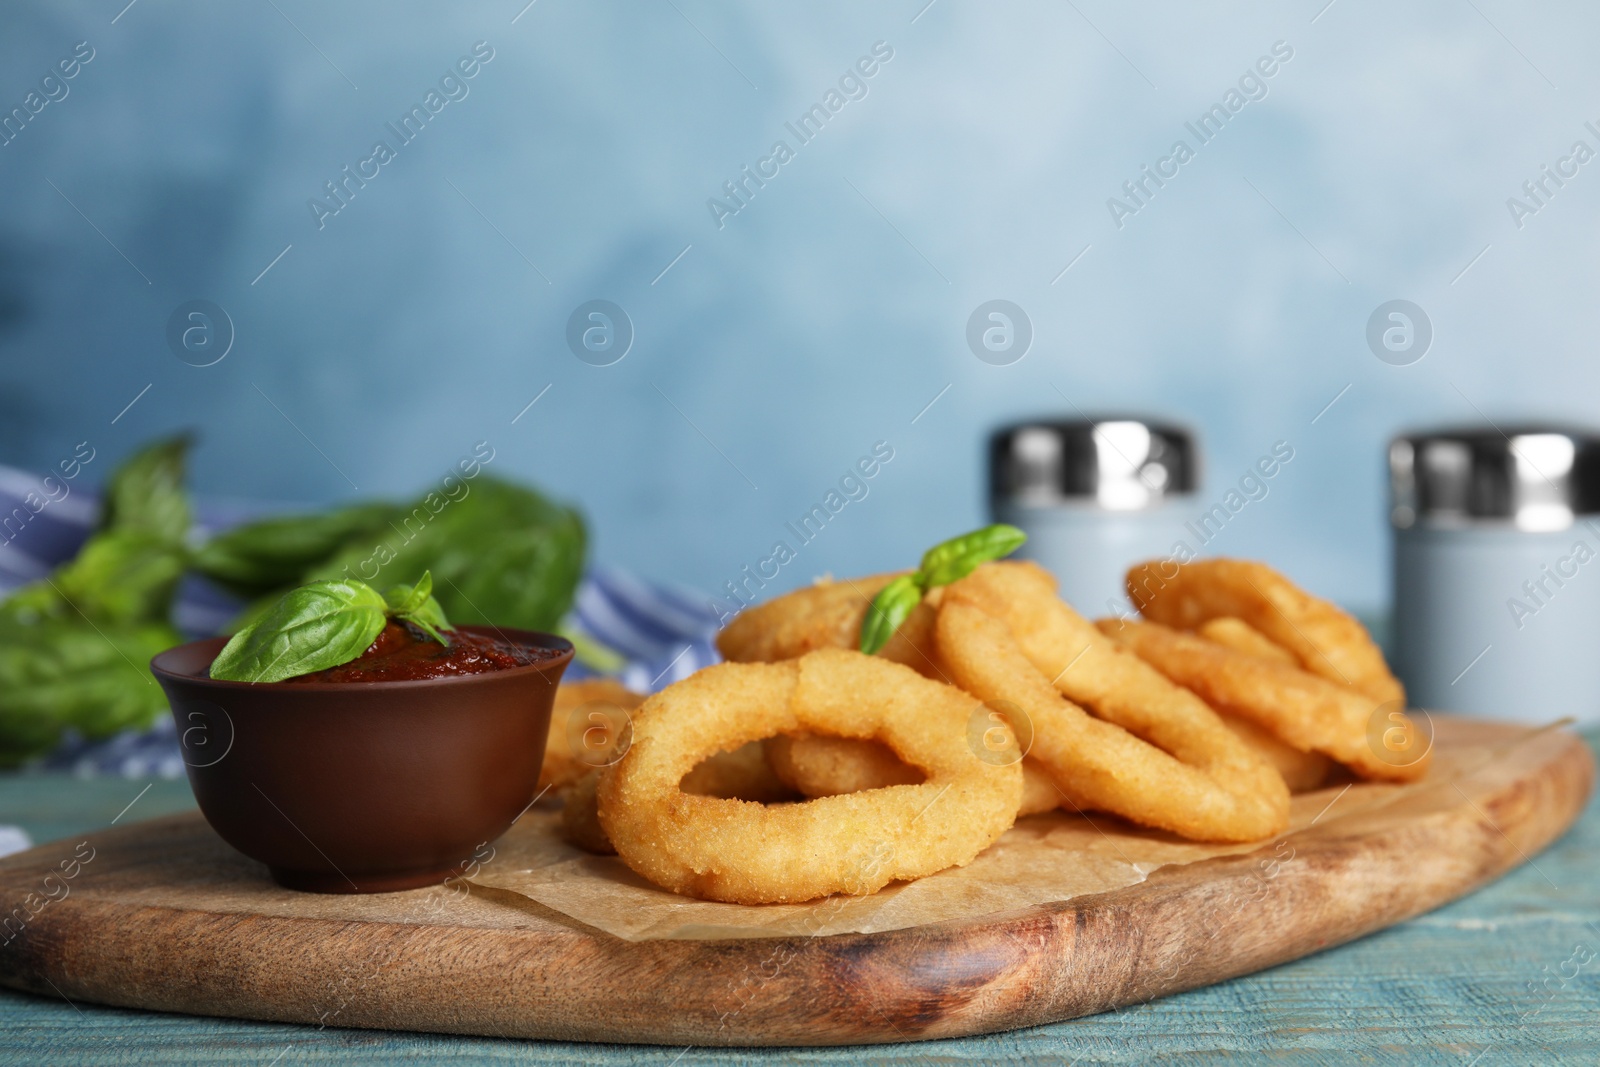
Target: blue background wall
826,314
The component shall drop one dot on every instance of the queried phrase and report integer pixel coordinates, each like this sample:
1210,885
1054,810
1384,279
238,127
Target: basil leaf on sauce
415,604
312,628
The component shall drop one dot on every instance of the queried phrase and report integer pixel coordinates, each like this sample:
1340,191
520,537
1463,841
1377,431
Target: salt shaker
1497,570
1094,496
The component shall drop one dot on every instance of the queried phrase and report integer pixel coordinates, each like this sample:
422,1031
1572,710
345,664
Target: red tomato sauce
404,654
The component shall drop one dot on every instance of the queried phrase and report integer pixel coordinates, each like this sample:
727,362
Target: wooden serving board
140,925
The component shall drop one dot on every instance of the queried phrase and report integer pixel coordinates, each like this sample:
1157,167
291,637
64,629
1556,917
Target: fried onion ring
1206,785
1324,639
1309,713
1039,791
743,774
828,615
1301,771
562,763
815,765
821,766
580,818
855,843
1242,637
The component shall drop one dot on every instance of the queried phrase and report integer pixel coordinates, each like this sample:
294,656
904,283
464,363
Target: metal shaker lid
1534,477
1121,464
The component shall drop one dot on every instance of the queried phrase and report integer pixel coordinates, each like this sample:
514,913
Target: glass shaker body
1095,496
1497,571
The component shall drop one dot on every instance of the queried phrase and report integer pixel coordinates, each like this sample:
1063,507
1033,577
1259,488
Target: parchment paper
1044,858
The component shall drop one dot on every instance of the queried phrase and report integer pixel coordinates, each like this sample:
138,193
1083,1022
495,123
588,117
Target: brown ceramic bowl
363,787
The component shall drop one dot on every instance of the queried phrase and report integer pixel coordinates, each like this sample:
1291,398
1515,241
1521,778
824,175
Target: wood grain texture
511,968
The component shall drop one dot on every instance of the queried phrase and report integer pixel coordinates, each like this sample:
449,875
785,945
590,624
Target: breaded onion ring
611,701
580,818
1089,669
1307,712
828,615
1039,791
815,765
1210,788
1324,639
1301,771
743,774
856,843
1242,637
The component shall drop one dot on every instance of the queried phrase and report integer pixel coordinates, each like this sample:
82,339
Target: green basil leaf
61,673
267,555
500,554
146,493
75,647
415,604
312,628
891,607
429,616
407,598
427,626
430,613
958,557
511,557
119,576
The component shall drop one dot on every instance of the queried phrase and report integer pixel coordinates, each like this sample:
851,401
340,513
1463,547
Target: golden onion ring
1324,639
855,843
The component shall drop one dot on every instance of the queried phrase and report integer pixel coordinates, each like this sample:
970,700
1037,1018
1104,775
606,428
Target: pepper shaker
1496,579
1094,496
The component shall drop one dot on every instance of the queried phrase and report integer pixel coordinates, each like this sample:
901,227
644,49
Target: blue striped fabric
664,634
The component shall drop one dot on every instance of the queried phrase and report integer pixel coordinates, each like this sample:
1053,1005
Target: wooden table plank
1443,988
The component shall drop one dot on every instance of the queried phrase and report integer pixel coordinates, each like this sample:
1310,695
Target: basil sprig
73,644
415,604
946,562
323,625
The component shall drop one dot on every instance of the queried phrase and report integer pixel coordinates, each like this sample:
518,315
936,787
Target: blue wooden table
1508,975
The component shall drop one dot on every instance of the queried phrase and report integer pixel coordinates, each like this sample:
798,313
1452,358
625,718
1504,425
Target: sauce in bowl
402,653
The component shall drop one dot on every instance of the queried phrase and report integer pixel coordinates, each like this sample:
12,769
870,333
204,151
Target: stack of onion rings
1233,795
1305,711
855,843
1264,650
1156,754
1199,733
1302,771
829,615
1323,639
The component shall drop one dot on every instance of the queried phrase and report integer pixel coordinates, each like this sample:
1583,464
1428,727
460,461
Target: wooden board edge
1047,964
